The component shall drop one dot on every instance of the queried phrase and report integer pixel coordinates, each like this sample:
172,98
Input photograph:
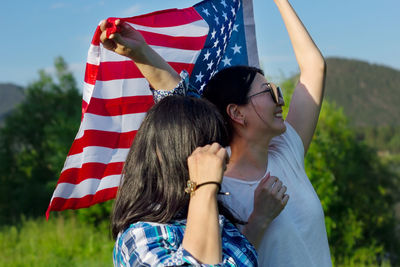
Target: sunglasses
275,92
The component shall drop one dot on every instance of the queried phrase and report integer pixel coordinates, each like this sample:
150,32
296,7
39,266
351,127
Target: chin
281,128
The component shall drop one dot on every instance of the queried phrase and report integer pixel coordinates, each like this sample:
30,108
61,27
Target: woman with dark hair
166,211
261,142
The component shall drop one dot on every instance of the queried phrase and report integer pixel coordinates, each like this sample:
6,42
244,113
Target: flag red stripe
167,18
84,107
101,138
127,70
90,170
96,36
58,204
190,43
120,106
91,73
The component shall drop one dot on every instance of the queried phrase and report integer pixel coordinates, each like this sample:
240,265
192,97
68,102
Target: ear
236,115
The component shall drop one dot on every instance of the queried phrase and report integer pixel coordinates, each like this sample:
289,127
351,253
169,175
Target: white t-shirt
297,237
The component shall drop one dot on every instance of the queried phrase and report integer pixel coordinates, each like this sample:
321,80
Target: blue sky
33,33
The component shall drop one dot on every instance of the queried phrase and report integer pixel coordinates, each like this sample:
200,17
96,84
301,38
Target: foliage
383,138
357,191
34,142
60,241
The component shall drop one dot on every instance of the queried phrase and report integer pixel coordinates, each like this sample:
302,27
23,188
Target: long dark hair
155,171
230,86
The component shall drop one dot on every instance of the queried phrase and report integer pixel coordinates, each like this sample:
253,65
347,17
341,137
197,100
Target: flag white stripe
250,32
87,92
86,187
121,123
120,88
169,54
177,55
194,29
96,154
94,55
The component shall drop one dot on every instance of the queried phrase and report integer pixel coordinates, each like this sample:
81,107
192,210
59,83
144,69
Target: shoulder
147,242
149,231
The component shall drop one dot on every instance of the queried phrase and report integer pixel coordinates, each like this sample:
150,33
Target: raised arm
307,98
202,236
130,43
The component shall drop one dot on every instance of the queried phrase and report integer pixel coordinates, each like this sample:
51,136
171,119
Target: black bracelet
192,186
211,182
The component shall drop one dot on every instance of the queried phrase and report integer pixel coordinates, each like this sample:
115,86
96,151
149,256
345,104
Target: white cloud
131,11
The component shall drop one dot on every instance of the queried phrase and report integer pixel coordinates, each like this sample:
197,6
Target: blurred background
353,162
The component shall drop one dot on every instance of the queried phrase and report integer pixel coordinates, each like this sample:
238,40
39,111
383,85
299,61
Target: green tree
357,191
34,143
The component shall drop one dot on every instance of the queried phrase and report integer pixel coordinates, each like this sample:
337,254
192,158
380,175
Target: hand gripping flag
202,39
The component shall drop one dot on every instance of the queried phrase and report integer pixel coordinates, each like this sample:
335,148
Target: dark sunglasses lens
274,93
280,93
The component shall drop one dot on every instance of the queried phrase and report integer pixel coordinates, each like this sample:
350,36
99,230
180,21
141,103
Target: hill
368,93
10,96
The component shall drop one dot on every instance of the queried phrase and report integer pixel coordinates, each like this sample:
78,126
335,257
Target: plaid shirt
155,244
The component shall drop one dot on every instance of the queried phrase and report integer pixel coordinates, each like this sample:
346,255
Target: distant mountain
10,96
368,93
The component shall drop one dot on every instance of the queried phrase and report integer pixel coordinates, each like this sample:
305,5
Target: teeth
278,115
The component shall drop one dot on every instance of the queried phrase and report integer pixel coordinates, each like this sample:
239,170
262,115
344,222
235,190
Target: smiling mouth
278,114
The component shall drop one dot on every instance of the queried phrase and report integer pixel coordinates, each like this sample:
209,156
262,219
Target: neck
249,158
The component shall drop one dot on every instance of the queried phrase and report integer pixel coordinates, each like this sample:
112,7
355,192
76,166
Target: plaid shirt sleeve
153,244
183,88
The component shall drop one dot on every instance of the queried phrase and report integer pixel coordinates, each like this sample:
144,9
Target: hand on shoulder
207,164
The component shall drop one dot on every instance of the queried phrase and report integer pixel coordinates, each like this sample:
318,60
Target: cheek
264,104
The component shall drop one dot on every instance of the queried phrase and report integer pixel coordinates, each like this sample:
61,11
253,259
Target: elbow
319,64
315,67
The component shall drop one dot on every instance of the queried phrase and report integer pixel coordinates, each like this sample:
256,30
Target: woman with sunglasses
261,143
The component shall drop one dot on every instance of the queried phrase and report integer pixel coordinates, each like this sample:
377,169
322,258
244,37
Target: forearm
155,69
307,53
254,230
202,235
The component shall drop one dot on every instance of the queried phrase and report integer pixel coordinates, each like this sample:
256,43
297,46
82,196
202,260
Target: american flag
201,39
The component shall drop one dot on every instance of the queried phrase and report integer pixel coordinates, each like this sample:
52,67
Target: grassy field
65,241
57,242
